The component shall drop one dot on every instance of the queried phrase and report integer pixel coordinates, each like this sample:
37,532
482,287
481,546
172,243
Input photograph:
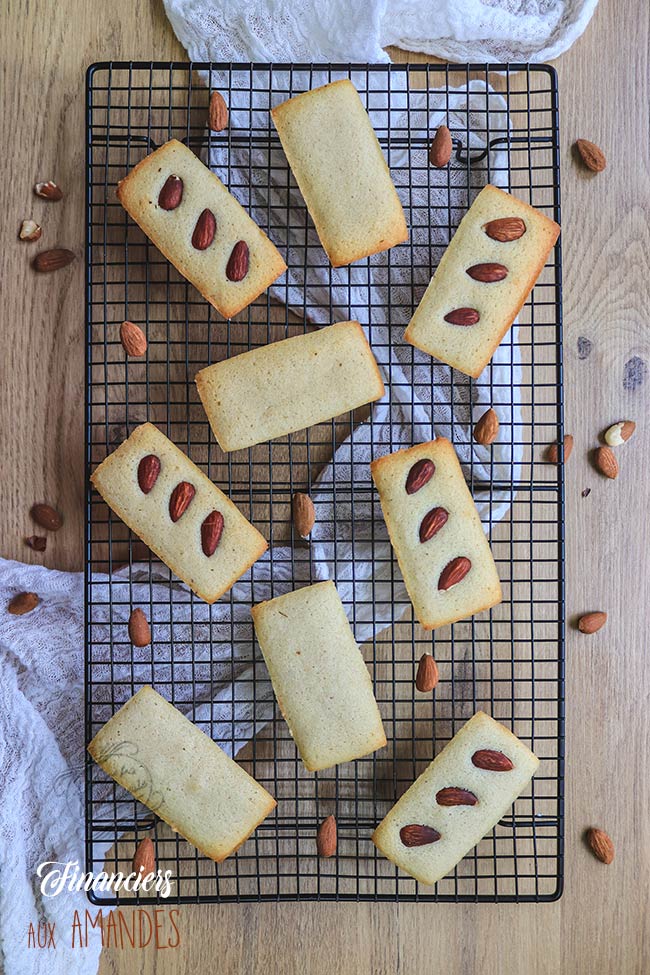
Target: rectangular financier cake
289,385
482,281
183,776
200,227
340,169
319,677
459,798
178,512
436,533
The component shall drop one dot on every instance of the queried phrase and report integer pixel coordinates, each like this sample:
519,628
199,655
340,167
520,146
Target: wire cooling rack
510,661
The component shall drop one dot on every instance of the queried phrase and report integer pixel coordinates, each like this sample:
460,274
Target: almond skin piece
304,514
218,112
453,796
441,147
139,629
180,499
606,462
148,471
326,837
237,266
619,433
432,522
505,229
23,602
30,230
36,542
491,760
419,475
592,622
144,860
462,316
427,675
601,845
206,228
211,531
487,429
488,273
46,516
454,572
591,155
133,340
418,835
553,452
48,191
171,194
52,260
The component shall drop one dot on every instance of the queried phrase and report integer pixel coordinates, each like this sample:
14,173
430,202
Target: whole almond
46,516
30,230
23,602
52,260
619,433
326,837
180,499
218,112
133,339
427,675
144,859
304,514
36,542
237,266
462,316
148,471
454,572
591,155
492,761
419,475
432,522
171,194
453,796
441,147
592,622
48,191
601,845
139,629
606,462
418,835
505,229
487,429
211,531
553,452
204,231
488,273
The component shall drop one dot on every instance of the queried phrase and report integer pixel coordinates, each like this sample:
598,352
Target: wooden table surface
600,925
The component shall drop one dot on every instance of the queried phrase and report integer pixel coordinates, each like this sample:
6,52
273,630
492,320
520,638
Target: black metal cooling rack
509,661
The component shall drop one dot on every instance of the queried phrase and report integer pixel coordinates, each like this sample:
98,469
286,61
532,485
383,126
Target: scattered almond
553,452
218,112
606,462
48,191
427,675
441,148
139,629
487,429
23,602
133,339
46,516
52,260
30,230
304,514
619,433
601,845
36,542
144,860
591,155
326,837
592,622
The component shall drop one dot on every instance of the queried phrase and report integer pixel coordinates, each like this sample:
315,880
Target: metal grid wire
509,661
